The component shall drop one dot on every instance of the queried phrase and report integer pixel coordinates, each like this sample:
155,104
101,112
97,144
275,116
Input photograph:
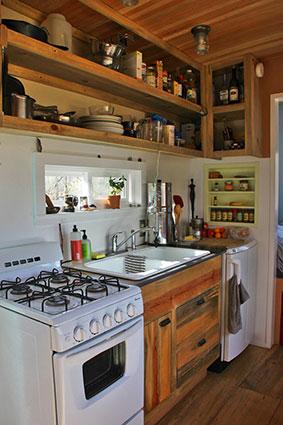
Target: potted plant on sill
116,184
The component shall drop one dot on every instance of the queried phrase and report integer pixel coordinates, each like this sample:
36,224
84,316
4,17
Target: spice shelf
247,198
240,207
231,223
231,178
84,135
231,192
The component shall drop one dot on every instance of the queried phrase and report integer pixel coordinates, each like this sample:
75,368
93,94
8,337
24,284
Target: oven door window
104,369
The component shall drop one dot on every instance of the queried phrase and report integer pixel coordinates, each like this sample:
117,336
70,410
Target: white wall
17,220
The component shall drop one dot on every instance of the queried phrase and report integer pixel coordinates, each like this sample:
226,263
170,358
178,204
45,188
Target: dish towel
237,295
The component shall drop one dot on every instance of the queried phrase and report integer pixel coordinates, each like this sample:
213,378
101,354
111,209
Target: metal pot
22,106
26,28
107,54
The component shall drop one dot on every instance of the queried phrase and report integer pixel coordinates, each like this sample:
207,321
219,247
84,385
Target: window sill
81,216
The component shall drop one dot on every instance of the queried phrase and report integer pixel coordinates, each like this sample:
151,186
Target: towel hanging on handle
237,295
234,304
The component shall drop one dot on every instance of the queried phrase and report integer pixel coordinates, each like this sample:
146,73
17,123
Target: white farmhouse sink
157,260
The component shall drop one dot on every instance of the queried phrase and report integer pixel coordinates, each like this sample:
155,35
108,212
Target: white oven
100,382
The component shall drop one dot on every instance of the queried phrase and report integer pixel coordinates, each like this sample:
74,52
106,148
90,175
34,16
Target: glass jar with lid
228,185
151,76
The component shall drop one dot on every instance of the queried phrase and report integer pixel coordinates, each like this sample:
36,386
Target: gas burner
59,279
21,289
57,300
96,287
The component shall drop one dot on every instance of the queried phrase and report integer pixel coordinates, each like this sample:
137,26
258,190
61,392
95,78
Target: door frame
275,100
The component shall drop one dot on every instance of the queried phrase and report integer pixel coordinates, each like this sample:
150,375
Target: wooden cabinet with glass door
232,99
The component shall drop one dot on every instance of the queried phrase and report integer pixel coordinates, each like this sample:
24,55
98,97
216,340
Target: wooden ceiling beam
113,15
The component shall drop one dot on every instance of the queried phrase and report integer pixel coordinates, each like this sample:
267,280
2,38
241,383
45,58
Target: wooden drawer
167,294
197,333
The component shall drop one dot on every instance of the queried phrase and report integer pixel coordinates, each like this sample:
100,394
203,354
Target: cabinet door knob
201,301
165,322
201,342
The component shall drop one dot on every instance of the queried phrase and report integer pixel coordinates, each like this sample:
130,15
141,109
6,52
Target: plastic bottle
76,244
86,247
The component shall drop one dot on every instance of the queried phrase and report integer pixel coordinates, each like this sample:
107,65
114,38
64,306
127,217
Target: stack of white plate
111,123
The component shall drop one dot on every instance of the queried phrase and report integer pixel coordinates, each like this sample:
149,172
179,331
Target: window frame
84,164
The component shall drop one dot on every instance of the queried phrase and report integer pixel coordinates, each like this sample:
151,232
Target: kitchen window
85,181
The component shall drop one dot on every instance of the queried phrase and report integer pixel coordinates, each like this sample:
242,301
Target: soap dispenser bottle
76,244
86,247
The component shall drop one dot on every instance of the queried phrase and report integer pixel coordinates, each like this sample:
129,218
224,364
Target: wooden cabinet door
158,361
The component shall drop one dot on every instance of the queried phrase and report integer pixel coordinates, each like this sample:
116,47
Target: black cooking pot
26,28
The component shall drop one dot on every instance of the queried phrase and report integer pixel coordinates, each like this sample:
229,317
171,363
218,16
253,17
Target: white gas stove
92,352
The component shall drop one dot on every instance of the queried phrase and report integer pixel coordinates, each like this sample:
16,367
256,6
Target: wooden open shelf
46,60
238,207
84,135
226,109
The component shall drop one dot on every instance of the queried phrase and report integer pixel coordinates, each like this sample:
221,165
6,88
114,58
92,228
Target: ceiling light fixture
129,3
200,33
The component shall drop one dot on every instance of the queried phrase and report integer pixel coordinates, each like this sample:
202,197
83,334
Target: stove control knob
79,334
107,321
94,327
118,316
131,310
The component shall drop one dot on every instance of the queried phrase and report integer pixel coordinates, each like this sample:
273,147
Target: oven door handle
104,341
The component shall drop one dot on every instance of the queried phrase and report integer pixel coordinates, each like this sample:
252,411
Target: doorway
275,292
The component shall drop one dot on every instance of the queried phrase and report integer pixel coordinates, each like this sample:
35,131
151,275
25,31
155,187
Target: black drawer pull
201,301
201,342
165,322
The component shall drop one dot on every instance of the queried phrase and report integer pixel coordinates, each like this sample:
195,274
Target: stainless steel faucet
132,236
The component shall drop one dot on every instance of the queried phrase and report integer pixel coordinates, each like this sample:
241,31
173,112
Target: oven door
101,381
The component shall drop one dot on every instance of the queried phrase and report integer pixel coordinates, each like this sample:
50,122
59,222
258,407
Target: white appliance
71,344
243,262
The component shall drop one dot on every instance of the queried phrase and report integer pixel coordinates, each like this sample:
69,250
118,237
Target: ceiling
237,26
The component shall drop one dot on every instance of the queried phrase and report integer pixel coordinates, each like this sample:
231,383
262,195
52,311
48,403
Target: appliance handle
236,264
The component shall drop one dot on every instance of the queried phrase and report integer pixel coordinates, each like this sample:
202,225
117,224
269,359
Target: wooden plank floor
248,392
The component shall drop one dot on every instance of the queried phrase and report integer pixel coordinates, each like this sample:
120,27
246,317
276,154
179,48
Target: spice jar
213,215
224,215
229,215
216,187
151,76
228,185
240,216
244,185
218,215
215,201
245,216
251,216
